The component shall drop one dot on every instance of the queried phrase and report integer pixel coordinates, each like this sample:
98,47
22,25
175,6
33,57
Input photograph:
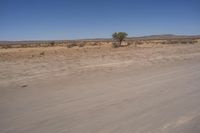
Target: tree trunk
120,43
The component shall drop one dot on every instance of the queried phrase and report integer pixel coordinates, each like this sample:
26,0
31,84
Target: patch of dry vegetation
71,44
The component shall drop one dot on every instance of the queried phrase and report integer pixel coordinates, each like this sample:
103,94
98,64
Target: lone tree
119,37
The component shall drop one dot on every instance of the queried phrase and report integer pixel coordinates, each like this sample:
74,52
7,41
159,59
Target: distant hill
151,37
165,36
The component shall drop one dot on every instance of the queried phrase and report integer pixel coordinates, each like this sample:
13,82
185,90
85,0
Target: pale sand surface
100,90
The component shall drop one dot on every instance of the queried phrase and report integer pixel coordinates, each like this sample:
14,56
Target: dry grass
70,44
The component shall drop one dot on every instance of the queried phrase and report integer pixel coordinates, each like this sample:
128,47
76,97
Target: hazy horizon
100,38
88,19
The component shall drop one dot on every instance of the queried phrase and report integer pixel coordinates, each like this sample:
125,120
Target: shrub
52,43
81,44
94,44
42,53
71,45
115,44
6,46
138,43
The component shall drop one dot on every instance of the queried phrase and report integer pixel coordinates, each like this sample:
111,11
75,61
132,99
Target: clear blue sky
75,19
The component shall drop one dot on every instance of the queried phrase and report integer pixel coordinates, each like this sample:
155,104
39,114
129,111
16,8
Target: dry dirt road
159,98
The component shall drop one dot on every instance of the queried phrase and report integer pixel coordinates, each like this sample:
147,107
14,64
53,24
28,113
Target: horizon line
142,36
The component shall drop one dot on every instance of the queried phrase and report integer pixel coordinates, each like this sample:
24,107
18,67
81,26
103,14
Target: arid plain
150,88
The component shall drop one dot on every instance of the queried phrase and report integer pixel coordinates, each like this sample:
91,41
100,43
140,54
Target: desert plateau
145,88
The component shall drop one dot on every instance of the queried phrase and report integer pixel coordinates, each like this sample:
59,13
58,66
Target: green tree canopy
119,36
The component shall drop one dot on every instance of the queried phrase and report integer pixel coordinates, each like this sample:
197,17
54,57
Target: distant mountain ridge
151,37
165,36
162,36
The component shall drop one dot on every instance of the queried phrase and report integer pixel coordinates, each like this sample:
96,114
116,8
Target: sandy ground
100,89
